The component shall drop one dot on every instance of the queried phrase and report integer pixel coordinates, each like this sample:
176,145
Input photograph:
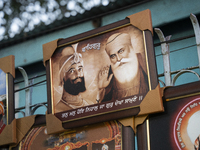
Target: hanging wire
179,49
40,85
38,76
174,40
23,107
175,72
29,86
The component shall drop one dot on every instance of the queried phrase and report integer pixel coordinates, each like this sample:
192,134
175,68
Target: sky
2,82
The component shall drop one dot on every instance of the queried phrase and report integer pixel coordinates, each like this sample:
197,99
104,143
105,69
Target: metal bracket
27,92
37,106
182,72
165,53
195,24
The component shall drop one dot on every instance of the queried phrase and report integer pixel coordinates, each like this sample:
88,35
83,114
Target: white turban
70,57
193,128
116,38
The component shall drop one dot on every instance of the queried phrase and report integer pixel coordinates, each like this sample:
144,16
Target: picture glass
178,127
106,72
2,100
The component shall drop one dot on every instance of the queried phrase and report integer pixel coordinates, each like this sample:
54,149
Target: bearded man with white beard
125,76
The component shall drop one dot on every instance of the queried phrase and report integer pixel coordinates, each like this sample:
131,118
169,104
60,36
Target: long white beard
128,71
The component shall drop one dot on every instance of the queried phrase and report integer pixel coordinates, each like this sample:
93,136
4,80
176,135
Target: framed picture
103,74
7,108
7,74
3,94
108,135
178,126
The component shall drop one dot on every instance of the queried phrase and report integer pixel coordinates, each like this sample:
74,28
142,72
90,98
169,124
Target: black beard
74,89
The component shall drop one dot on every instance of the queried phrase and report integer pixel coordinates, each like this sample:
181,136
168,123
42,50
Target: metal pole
31,93
195,24
27,92
165,53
